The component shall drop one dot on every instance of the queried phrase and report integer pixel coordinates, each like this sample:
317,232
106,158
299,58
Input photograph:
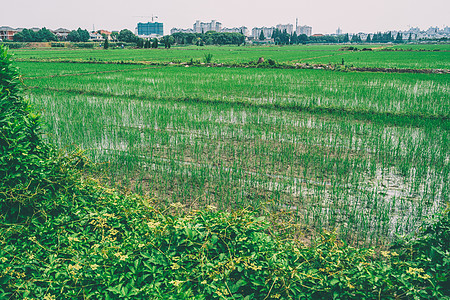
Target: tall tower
296,24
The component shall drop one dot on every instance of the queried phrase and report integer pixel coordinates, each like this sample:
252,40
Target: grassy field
312,54
364,153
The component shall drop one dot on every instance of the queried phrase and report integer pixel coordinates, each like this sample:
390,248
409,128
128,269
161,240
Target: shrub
208,58
29,168
57,45
84,45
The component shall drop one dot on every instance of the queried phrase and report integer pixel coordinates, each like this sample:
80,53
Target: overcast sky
323,15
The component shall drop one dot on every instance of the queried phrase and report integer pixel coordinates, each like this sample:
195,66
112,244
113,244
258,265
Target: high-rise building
267,31
150,29
200,27
288,27
242,29
304,30
339,31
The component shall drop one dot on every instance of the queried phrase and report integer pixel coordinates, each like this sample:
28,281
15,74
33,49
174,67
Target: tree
73,36
302,38
83,34
46,35
346,38
114,36
356,38
294,39
410,37
155,43
261,36
106,44
368,40
140,43
399,38
168,41
28,35
126,36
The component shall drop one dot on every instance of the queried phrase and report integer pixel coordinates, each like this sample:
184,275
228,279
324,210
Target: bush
14,45
84,45
57,45
29,168
208,58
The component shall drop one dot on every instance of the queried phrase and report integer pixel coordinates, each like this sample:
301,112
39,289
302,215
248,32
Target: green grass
326,169
379,93
39,69
312,54
362,152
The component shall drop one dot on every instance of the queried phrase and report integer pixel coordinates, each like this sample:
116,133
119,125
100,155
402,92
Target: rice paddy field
363,153
413,56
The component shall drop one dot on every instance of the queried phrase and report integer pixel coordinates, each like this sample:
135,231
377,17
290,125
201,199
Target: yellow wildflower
175,266
49,297
176,282
385,254
426,276
3,259
141,245
153,225
123,257
177,205
211,207
94,267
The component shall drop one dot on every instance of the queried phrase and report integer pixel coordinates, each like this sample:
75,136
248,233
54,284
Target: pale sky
323,15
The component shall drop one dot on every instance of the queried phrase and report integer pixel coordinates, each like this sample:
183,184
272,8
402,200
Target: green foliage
87,241
126,36
29,170
168,41
208,58
155,43
14,45
261,36
106,245
213,38
88,45
29,35
430,249
58,45
79,35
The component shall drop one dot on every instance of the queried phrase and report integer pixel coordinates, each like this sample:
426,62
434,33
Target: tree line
284,38
209,38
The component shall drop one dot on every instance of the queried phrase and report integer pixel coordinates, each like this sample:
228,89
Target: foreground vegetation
65,236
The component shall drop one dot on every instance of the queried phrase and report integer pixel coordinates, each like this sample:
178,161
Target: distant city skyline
323,16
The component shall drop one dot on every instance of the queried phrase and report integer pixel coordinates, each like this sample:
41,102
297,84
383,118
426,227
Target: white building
200,27
174,30
267,31
304,30
288,27
242,29
61,33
